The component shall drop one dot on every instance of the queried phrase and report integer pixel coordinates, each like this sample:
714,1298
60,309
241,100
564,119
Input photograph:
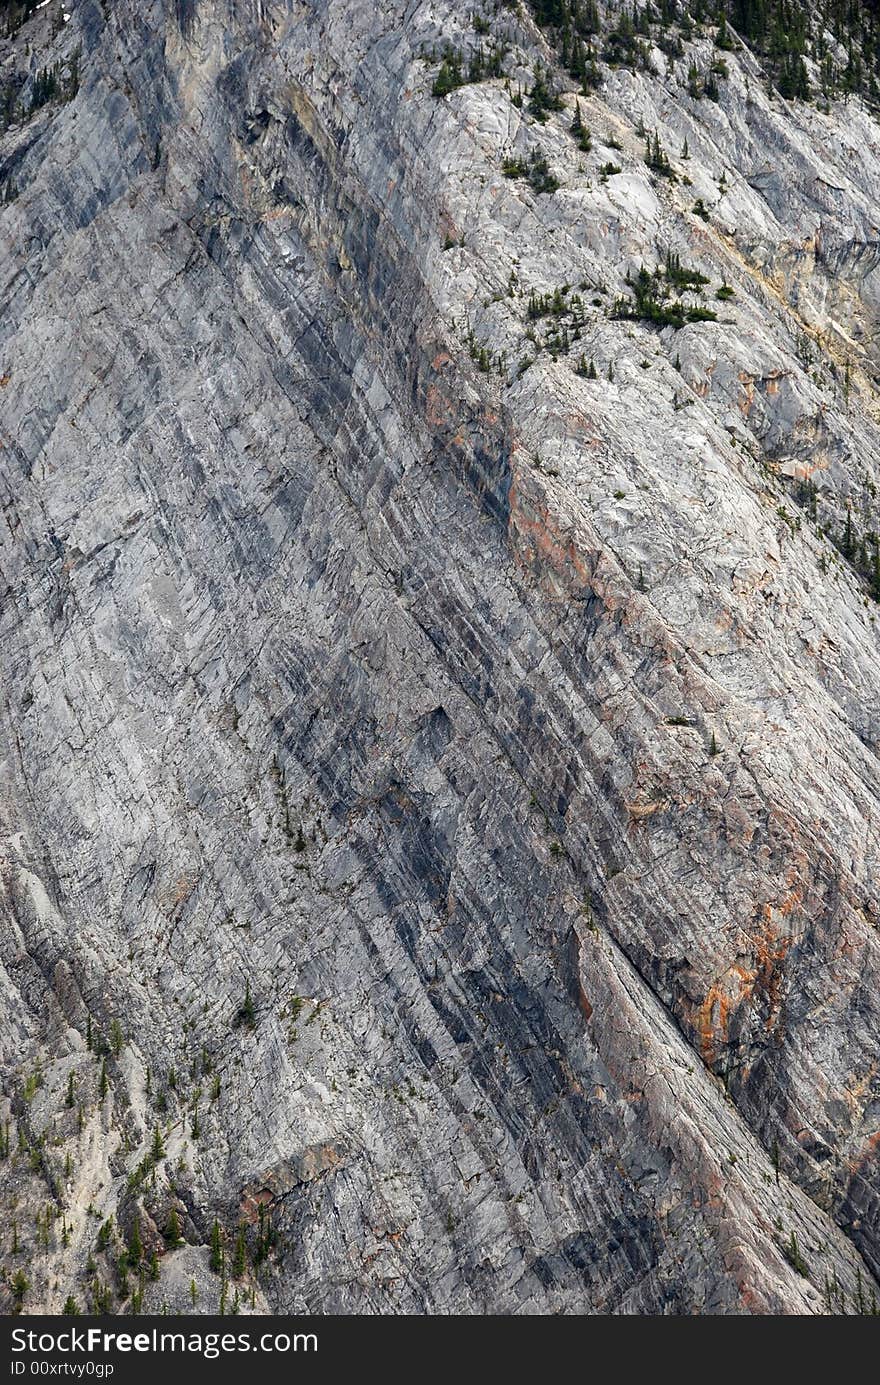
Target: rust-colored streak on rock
540,547
586,1007
250,1204
436,407
742,982
282,1178
868,1154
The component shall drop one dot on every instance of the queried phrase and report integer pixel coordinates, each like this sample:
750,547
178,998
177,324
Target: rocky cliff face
441,688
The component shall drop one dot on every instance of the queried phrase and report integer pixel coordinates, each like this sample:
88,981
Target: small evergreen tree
450,76
19,1285
247,1015
656,157
216,1260
542,98
157,1148
580,131
136,1245
172,1229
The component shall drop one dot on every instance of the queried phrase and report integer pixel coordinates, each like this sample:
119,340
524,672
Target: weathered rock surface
461,777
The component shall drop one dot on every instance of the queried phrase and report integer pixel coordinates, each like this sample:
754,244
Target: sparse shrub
19,1284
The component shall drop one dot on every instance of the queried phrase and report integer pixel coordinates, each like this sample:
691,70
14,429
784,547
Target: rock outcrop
440,809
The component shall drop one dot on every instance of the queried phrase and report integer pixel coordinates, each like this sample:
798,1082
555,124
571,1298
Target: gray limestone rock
440,812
